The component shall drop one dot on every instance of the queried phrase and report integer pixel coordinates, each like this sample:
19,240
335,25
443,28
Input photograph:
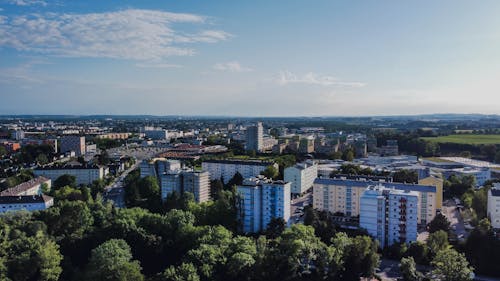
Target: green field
466,139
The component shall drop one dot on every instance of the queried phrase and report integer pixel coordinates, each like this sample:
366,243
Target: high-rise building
261,200
301,176
18,135
73,143
180,181
343,196
494,206
389,215
226,169
254,137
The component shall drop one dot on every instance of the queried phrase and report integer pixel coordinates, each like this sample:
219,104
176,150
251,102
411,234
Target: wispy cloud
157,65
232,66
128,34
26,2
287,77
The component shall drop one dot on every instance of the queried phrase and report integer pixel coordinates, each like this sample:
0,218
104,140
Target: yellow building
438,183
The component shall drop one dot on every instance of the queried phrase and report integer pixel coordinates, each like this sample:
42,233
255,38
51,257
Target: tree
42,159
183,272
497,157
34,258
405,176
270,172
450,265
112,261
348,156
103,158
437,242
237,179
490,151
360,258
64,180
3,151
275,227
409,270
440,222
216,186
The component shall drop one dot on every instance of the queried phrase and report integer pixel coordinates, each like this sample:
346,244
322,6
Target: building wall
301,177
26,206
226,171
73,143
83,176
254,137
438,183
494,207
345,197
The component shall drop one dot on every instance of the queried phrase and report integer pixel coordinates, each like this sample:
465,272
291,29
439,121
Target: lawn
466,139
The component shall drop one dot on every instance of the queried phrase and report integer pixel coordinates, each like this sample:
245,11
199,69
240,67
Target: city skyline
292,58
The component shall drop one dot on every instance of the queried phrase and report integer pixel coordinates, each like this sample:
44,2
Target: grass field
466,139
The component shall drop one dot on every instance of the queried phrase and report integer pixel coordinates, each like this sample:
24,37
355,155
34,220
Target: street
115,192
301,202
453,215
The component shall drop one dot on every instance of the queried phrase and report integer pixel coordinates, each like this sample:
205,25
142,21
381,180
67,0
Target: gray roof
23,187
24,199
396,185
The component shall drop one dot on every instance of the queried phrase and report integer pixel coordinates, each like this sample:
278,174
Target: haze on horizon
258,58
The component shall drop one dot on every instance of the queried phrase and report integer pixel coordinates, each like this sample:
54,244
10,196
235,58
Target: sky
249,58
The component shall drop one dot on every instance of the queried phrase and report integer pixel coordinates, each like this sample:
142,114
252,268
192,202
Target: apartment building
261,200
343,195
31,187
73,143
494,206
226,169
29,203
389,215
254,137
180,181
157,166
301,176
85,175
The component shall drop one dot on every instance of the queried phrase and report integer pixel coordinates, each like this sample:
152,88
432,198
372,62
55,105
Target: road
299,202
115,192
451,212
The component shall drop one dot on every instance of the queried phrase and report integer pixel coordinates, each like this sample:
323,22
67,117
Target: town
389,185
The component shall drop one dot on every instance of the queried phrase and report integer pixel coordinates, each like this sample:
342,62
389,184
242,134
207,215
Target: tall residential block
301,176
343,195
180,181
389,215
261,200
494,206
73,143
254,137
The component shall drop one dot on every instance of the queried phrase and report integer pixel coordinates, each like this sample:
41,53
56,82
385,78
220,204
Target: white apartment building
155,133
31,187
301,176
480,174
83,175
344,196
73,143
29,203
226,169
494,206
389,215
261,200
180,181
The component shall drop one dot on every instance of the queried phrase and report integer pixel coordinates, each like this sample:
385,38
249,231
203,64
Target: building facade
344,196
301,176
180,181
389,215
157,166
73,143
28,203
31,187
261,200
226,169
494,206
254,137
83,175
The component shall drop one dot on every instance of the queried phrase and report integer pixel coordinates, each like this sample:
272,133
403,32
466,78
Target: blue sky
252,58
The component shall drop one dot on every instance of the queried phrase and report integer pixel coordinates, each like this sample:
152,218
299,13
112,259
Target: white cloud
27,2
128,34
287,77
232,66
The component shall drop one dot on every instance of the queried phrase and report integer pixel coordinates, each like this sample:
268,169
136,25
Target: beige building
343,196
438,183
